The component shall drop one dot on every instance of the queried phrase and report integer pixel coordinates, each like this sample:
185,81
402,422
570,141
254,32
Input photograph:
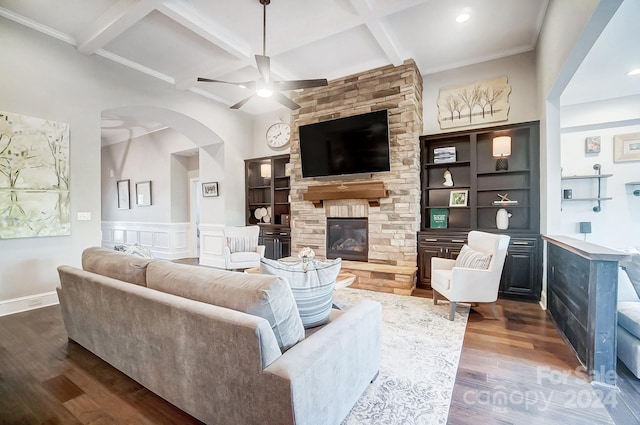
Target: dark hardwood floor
514,371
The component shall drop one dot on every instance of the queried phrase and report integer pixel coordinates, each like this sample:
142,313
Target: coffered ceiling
180,40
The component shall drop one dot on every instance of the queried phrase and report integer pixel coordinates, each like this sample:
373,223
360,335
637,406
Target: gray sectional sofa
629,314
225,347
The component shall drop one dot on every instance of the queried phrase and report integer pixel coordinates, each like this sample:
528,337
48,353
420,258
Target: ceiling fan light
264,92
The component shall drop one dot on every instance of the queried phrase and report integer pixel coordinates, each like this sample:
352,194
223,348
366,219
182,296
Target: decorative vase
502,219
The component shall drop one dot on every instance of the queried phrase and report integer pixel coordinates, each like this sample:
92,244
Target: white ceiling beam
363,8
119,18
185,15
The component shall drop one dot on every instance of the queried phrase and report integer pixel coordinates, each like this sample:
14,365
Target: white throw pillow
242,243
472,259
312,285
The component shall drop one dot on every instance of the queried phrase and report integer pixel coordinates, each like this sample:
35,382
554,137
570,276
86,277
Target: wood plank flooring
514,371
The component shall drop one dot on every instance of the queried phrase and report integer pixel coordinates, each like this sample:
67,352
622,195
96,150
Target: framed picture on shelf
210,189
458,198
123,194
626,147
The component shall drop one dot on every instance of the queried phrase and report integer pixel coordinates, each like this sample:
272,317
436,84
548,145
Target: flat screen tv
351,145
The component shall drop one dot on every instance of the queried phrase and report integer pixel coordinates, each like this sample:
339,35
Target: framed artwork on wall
210,189
592,144
34,177
143,193
123,194
626,147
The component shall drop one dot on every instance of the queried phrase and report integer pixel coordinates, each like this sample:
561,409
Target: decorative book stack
439,218
444,155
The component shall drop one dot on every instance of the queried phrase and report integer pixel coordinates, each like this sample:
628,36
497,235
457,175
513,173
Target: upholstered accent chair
474,277
241,250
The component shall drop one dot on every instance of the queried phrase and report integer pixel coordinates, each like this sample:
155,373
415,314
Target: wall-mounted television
351,145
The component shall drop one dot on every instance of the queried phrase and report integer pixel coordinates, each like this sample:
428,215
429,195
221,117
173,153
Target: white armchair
241,250
466,279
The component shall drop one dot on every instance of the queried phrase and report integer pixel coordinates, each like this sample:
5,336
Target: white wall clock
278,135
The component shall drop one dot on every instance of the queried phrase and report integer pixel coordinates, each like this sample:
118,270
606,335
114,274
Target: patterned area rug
420,354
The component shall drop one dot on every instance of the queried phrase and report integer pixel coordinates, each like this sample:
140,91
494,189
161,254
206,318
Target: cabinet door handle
429,240
268,233
457,240
520,243
283,233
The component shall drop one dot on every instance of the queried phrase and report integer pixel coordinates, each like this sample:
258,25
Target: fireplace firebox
347,238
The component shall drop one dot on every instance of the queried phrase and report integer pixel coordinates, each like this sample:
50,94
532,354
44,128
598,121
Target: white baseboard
31,302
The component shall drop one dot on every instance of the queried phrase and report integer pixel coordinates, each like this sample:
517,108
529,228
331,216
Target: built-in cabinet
486,190
267,202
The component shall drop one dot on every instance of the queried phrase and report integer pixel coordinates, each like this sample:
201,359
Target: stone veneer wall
392,225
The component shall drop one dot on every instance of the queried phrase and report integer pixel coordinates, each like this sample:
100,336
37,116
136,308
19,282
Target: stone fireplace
393,221
347,238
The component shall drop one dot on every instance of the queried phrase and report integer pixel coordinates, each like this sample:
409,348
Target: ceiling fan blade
251,85
264,67
284,100
241,103
299,84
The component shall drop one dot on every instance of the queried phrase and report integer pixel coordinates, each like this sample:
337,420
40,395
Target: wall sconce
501,150
265,171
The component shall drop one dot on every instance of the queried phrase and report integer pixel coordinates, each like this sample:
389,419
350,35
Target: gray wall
46,78
521,74
148,158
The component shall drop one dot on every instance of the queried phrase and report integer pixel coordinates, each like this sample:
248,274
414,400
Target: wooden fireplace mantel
371,191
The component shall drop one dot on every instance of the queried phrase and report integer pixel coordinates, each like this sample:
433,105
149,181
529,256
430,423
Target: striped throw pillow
312,285
472,259
242,244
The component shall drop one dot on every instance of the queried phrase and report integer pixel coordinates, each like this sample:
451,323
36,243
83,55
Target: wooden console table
582,291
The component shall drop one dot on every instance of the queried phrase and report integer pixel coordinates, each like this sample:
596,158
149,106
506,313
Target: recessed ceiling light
634,72
463,17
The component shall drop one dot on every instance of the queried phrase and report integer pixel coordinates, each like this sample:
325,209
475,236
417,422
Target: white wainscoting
212,245
168,241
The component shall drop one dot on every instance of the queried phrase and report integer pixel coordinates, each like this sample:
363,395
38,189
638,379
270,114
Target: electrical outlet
35,302
84,216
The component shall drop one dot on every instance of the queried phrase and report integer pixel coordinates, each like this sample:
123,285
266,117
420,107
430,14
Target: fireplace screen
347,238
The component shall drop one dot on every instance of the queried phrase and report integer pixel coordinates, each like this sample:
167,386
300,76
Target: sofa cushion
632,267
472,259
629,317
116,265
312,284
265,296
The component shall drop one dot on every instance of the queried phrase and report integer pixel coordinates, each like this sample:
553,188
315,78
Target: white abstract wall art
34,177
478,103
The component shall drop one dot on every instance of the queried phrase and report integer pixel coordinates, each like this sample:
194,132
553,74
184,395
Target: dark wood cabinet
277,241
473,170
267,202
521,276
441,246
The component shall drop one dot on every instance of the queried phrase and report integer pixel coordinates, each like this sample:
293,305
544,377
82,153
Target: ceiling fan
264,86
